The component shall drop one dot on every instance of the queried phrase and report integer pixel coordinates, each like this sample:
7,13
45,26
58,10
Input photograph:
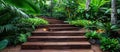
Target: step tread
57,37
59,24
58,32
68,50
63,27
56,43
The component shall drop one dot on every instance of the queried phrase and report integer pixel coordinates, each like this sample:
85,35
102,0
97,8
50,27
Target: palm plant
29,6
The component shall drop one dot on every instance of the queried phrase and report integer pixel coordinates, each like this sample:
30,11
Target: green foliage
11,10
111,45
3,44
8,13
11,28
98,11
33,21
18,38
93,26
23,37
93,34
8,27
110,30
29,6
81,23
14,23
97,4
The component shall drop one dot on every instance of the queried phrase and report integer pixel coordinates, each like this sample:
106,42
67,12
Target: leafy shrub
80,22
23,37
16,31
93,34
109,29
93,26
111,45
33,21
19,38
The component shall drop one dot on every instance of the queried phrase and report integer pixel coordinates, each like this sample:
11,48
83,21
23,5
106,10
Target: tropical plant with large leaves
10,26
98,10
3,44
29,7
8,14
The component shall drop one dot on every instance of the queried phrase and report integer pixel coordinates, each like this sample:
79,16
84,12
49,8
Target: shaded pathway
60,37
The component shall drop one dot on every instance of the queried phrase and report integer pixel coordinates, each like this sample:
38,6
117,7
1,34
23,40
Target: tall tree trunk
87,5
113,12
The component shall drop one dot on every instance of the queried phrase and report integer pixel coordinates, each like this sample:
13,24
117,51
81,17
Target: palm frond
8,12
17,12
25,4
13,10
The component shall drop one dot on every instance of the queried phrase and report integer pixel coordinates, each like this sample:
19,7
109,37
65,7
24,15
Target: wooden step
55,25
56,38
58,33
63,29
56,45
68,50
60,25
54,21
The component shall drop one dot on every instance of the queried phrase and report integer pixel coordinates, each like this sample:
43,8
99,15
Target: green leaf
3,44
24,4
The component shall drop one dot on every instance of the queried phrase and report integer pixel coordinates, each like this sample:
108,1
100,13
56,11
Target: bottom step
56,45
71,50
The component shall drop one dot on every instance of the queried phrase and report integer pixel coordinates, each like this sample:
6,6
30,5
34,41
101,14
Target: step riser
57,34
36,47
54,21
56,39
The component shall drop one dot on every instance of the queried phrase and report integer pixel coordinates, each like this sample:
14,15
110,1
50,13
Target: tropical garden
100,17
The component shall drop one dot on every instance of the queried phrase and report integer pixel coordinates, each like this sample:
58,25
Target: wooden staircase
59,38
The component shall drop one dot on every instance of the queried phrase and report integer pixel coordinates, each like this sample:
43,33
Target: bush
81,23
111,45
18,30
23,37
93,34
19,38
33,21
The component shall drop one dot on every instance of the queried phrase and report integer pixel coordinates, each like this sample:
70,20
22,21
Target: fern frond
8,27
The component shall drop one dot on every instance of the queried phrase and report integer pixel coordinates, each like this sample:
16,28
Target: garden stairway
59,38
